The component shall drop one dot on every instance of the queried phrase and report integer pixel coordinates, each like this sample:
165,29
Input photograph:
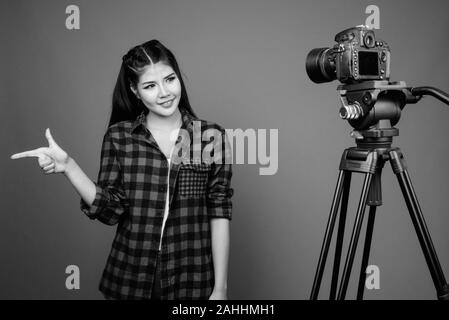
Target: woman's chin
164,112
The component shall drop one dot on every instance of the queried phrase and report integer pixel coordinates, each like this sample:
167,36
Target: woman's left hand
218,295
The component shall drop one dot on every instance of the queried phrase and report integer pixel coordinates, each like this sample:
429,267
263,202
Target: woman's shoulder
119,129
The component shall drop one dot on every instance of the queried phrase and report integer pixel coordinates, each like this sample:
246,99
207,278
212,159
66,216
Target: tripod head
373,108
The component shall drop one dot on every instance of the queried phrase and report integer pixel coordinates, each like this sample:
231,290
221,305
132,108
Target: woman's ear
134,90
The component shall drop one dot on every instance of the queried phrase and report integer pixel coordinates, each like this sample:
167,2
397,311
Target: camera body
357,56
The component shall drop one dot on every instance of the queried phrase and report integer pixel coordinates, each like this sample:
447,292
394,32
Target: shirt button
162,188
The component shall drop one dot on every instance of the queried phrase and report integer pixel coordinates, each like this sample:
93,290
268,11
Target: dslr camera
357,56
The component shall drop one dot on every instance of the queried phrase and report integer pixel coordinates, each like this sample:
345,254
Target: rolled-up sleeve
110,201
219,191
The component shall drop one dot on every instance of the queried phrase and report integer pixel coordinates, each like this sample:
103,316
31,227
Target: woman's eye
171,79
150,86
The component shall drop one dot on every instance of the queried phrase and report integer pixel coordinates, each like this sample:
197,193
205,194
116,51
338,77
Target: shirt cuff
93,210
220,211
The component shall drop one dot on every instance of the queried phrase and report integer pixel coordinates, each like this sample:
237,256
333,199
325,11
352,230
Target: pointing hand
51,159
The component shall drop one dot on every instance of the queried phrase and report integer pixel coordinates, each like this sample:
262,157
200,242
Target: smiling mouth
167,103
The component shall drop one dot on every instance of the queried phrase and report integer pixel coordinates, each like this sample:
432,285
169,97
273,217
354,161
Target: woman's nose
164,91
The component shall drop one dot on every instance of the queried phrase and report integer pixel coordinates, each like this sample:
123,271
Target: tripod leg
354,237
399,168
328,236
340,234
366,251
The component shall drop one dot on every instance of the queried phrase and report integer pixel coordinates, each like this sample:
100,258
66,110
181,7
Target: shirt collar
187,120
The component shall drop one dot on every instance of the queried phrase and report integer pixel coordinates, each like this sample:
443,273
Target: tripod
369,157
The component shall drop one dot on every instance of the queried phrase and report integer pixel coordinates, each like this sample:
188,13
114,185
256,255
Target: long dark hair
125,105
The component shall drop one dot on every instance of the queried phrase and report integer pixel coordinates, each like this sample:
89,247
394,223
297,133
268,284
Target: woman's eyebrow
155,81
169,75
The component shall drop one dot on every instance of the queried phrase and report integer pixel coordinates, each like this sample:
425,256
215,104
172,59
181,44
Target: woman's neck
155,121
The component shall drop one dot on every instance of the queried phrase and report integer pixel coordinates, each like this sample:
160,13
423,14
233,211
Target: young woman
172,217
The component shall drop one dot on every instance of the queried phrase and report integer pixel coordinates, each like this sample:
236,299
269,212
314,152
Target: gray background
244,63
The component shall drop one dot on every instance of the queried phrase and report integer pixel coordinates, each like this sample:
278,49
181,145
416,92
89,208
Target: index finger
26,154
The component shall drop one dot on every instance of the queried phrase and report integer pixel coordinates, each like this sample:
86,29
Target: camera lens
320,65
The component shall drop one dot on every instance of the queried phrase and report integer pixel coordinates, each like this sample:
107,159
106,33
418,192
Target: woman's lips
167,103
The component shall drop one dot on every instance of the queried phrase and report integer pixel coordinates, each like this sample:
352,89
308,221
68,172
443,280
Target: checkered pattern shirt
131,193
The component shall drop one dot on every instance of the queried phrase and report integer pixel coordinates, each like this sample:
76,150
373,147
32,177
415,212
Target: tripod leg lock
397,161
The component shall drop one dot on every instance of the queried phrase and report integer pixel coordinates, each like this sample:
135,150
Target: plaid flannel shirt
131,192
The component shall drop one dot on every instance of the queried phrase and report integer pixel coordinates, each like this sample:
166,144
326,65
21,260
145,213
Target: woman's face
159,89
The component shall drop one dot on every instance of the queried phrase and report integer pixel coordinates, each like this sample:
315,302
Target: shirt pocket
192,179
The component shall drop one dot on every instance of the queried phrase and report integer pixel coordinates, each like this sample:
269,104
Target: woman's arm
110,201
220,256
80,181
219,207
106,199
